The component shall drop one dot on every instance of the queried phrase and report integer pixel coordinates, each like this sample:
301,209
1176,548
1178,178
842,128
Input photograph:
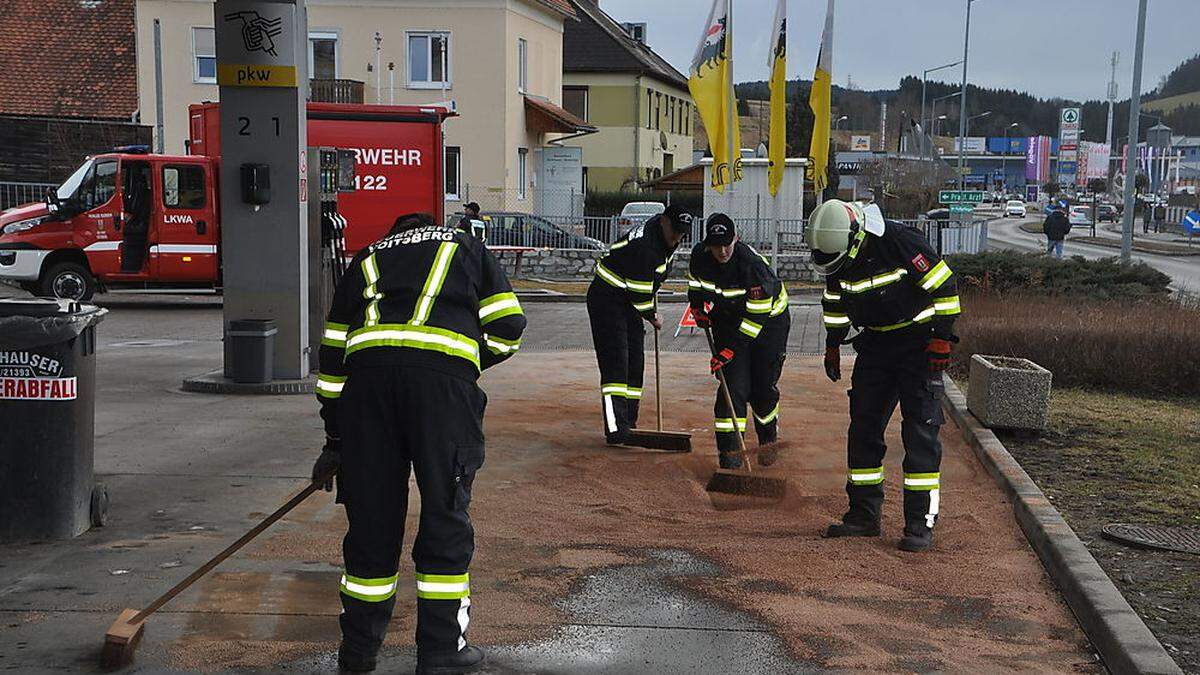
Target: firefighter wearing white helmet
884,279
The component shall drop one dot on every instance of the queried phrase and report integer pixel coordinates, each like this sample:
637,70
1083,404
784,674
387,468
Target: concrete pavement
590,559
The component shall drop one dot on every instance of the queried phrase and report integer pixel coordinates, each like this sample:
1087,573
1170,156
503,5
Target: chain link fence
13,194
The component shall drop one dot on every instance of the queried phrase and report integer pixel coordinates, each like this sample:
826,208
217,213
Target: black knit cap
719,230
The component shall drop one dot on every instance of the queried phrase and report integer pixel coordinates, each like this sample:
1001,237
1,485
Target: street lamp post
962,102
838,123
1135,100
962,145
924,78
937,122
1004,157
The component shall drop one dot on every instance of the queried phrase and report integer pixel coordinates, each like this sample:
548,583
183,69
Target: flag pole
731,109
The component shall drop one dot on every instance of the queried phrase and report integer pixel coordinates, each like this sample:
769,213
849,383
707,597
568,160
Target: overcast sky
1046,47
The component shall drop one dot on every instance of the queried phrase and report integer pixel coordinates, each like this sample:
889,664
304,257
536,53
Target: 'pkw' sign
960,196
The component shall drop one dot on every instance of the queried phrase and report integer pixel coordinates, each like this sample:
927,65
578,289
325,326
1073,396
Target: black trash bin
47,420
252,350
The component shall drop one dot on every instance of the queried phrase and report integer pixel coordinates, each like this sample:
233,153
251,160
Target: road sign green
962,208
960,196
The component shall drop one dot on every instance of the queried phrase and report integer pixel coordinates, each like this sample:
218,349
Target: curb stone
1116,632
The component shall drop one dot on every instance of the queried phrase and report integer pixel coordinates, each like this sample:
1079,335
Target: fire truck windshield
71,185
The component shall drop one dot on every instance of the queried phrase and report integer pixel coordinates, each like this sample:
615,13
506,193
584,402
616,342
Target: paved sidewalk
590,559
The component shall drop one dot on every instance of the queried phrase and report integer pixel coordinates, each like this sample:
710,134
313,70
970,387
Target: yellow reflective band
947,306
732,292
605,274
874,282
724,425
434,282
936,276
622,390
497,307
369,590
618,245
921,317
781,303
922,481
644,306
832,319
640,286
370,270
832,297
750,328
695,282
759,306
872,476
443,586
634,393
501,346
334,334
769,417
414,337
330,386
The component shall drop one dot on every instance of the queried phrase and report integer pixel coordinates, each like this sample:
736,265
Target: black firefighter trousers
893,368
753,377
393,418
618,334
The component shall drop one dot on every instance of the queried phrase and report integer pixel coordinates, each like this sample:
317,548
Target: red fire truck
129,218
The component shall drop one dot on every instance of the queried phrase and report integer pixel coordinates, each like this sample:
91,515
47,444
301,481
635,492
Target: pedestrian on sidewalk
620,298
750,322
414,320
1160,217
1056,227
885,279
472,223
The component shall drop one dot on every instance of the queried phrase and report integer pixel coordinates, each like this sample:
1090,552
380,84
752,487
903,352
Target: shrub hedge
1077,277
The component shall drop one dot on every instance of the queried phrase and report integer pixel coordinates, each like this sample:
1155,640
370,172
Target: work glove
328,463
833,363
703,320
656,322
939,354
720,360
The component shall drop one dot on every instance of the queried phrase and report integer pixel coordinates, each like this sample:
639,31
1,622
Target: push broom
670,441
125,633
740,481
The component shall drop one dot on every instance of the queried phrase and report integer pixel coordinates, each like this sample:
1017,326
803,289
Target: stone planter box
1009,393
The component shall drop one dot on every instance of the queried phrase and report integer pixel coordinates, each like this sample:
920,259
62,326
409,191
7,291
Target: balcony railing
323,90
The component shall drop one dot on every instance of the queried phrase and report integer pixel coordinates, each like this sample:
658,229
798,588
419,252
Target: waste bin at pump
47,420
252,349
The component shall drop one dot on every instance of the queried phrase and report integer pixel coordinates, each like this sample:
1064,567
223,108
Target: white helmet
836,232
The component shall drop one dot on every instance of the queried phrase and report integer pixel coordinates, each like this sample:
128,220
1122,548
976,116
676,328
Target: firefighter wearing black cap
472,223
885,279
620,297
415,319
750,321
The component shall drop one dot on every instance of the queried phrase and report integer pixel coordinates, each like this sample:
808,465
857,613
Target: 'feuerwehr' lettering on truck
387,156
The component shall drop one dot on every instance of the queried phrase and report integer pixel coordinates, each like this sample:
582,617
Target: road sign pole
1135,100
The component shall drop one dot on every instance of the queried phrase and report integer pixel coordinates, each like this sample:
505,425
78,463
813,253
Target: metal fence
12,194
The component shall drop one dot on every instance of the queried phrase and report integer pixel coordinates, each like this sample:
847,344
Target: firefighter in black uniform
747,310
885,279
415,319
619,298
472,223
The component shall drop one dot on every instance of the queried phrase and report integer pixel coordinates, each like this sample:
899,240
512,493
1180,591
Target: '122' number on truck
370,182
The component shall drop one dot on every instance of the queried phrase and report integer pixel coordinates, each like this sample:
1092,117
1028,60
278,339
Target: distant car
1108,213
636,213
1015,208
1080,215
508,228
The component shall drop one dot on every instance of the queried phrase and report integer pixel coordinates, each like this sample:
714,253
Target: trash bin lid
35,307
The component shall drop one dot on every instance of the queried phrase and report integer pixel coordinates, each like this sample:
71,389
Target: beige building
499,61
637,100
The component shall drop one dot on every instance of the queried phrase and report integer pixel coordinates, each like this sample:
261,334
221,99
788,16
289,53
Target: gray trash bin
47,420
252,350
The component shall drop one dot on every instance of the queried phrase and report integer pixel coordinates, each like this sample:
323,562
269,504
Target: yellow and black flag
710,80
777,140
819,100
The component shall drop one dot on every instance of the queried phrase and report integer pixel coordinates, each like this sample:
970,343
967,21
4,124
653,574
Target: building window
429,60
657,110
204,53
453,169
323,55
575,100
522,173
183,186
522,65
649,109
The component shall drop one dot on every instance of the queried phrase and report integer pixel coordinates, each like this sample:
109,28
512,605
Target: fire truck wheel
68,281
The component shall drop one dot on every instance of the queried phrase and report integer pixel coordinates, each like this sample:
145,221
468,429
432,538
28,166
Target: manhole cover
1181,539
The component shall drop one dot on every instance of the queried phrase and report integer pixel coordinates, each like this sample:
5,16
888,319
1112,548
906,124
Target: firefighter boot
852,529
353,662
464,660
916,542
